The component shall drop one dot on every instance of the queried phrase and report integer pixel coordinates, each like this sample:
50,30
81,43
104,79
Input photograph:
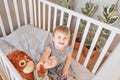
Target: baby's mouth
61,43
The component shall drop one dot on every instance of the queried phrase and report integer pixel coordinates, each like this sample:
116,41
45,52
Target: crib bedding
6,47
29,39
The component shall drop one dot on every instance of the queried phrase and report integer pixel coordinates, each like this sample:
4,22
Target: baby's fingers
38,65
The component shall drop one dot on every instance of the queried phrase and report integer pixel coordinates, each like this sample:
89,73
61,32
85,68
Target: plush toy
23,63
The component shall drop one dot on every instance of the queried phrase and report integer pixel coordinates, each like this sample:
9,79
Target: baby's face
60,40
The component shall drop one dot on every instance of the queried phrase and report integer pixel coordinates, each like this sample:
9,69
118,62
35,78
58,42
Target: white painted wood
49,17
75,32
35,13
43,9
2,27
17,13
9,68
39,14
104,51
96,22
55,18
83,40
31,12
44,16
92,45
61,18
8,15
69,20
24,11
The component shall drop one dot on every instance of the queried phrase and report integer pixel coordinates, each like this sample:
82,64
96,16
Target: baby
60,48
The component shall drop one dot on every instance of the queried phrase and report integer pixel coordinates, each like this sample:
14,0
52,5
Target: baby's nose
62,39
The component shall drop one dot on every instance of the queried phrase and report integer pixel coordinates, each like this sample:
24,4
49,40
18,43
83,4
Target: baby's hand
50,62
38,65
65,72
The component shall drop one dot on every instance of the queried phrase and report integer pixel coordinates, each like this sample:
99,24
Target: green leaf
84,11
102,18
87,5
105,10
113,20
111,8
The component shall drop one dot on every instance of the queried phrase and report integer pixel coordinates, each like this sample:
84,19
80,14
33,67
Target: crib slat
1,68
35,13
9,67
92,45
8,15
31,12
83,40
75,31
44,16
61,18
17,13
5,71
49,17
24,11
55,18
39,14
107,44
69,20
2,27
2,72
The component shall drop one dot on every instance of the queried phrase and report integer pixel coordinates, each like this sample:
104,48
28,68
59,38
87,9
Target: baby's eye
65,38
22,63
59,37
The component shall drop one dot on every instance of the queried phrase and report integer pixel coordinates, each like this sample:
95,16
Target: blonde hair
63,29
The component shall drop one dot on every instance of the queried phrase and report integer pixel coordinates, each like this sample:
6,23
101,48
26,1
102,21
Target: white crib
46,15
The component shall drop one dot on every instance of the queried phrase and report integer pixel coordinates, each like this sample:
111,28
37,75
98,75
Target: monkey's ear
11,56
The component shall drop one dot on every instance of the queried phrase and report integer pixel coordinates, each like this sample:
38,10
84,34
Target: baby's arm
43,58
45,55
65,71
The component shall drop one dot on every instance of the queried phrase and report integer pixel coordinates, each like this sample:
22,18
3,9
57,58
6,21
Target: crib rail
8,72
47,15
58,10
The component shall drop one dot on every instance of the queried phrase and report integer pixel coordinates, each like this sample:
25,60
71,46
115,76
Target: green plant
108,16
66,4
88,10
